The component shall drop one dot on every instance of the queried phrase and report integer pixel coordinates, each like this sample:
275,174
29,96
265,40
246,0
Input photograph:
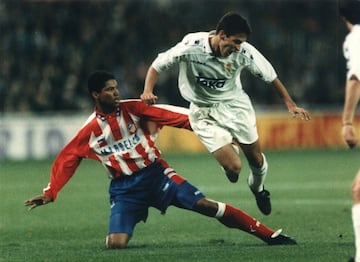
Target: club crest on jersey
227,67
210,82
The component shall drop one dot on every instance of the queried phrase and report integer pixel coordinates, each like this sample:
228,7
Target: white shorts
217,125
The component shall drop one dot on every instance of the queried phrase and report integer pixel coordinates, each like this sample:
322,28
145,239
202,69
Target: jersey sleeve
168,115
353,56
167,59
160,114
66,164
258,65
172,56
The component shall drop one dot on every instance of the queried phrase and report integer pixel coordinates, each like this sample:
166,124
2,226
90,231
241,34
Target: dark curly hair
97,80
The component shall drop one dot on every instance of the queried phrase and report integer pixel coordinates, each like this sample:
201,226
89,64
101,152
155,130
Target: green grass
310,196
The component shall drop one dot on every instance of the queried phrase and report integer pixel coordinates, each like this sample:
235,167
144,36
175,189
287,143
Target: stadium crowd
48,48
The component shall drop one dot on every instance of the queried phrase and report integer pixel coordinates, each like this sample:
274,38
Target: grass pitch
310,196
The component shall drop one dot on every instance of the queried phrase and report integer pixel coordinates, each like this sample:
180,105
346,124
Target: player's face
109,97
230,44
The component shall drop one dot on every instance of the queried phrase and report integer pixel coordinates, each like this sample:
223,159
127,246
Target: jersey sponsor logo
210,82
123,145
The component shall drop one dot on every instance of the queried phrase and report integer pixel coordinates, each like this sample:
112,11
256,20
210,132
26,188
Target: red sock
235,218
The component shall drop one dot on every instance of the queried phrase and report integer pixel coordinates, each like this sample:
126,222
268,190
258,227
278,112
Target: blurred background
49,47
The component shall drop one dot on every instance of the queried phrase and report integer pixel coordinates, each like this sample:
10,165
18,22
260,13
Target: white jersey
351,50
205,79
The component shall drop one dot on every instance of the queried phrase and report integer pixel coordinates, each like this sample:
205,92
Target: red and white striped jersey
123,141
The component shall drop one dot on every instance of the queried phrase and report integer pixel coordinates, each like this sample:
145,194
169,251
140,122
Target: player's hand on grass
349,134
148,97
37,201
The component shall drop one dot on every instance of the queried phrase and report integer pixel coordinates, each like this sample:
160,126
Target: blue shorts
131,197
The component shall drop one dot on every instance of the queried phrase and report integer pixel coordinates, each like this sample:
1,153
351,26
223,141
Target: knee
117,241
228,159
233,167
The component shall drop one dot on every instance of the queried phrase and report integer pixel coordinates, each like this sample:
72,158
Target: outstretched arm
37,201
63,169
291,105
151,78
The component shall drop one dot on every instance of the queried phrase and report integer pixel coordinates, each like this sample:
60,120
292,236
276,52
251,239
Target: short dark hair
233,23
350,10
97,80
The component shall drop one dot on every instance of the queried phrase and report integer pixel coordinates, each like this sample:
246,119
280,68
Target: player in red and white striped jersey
121,135
120,140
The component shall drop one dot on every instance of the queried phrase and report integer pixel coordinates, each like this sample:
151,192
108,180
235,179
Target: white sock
221,210
257,176
236,148
356,224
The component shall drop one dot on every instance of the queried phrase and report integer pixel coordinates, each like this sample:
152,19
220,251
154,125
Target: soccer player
350,12
121,135
221,113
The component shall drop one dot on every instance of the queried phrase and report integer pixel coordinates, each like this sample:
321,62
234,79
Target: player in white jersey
350,12
221,113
